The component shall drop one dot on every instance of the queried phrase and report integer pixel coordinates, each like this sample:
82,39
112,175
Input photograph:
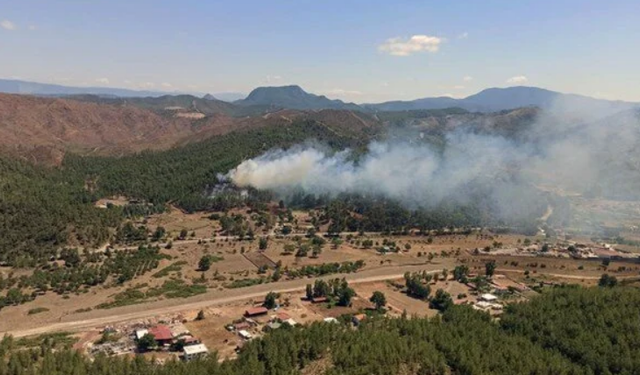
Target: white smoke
560,152
413,173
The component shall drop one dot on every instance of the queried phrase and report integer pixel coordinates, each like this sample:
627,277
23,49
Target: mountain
166,104
499,99
292,97
43,129
29,124
227,96
10,86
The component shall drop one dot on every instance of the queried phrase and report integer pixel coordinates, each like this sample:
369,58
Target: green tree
379,299
460,273
345,294
205,263
262,245
271,300
490,268
607,281
309,291
183,234
441,300
158,234
200,315
147,342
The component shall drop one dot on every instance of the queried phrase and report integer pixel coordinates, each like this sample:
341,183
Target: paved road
100,318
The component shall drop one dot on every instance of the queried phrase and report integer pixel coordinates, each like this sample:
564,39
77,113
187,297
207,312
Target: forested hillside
48,208
565,331
42,208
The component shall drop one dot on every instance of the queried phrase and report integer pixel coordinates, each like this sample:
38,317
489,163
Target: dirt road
100,318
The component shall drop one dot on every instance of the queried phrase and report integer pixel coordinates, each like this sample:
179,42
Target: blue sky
360,50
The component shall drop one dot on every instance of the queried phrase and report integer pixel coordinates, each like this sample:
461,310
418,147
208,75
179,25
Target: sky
354,50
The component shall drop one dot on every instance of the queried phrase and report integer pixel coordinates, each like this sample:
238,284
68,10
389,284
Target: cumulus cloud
406,47
166,85
273,78
517,80
464,35
7,25
467,78
104,81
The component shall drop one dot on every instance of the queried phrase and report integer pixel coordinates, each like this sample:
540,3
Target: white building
244,334
140,333
488,297
195,351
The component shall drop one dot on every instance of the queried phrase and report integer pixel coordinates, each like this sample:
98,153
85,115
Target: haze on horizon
357,51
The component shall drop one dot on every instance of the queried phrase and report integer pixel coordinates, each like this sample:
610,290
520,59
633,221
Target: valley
166,222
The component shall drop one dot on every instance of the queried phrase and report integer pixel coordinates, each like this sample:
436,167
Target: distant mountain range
12,86
499,99
294,97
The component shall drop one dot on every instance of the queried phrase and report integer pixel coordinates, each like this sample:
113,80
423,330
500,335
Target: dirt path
99,318
561,276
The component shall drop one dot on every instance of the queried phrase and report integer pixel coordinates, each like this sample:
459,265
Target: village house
256,311
162,334
194,351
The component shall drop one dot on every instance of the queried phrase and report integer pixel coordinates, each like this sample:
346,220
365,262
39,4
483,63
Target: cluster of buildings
256,319
165,338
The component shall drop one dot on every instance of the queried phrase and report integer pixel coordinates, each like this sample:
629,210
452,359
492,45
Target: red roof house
283,316
255,311
161,333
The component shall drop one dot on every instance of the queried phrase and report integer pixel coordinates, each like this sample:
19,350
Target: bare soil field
259,259
175,220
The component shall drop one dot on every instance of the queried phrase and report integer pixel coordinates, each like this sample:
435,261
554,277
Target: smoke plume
568,151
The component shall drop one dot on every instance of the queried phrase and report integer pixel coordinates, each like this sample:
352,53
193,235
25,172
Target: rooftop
488,297
195,349
283,316
256,311
161,333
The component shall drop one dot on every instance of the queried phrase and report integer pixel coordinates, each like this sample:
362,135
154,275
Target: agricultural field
240,270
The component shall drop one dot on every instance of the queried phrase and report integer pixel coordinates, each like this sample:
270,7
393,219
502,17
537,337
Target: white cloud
458,87
146,85
273,78
7,25
407,47
104,81
467,78
166,85
517,80
464,35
